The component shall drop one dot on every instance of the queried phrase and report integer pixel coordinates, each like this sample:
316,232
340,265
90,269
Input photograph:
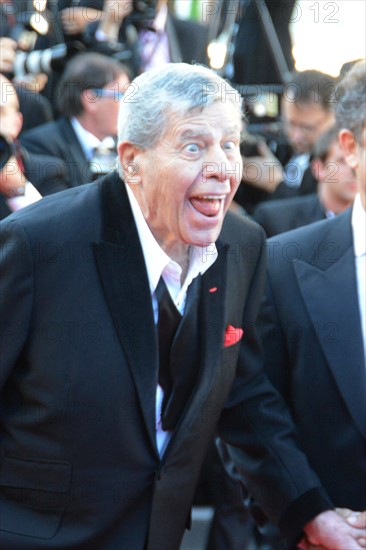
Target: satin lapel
330,296
122,270
213,318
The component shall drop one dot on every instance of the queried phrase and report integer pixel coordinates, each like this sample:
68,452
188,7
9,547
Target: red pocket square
232,335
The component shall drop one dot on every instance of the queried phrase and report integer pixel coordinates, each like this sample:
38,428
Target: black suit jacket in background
285,214
42,171
58,139
35,108
78,377
314,351
253,60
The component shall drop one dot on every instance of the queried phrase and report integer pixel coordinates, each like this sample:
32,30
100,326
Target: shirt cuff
30,196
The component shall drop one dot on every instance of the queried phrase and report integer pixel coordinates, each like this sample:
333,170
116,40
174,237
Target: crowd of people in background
59,131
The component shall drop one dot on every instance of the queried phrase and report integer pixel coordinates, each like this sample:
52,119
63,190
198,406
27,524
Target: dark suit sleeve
258,426
4,208
260,216
48,174
16,294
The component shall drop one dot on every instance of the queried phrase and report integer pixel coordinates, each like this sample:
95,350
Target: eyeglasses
105,92
304,128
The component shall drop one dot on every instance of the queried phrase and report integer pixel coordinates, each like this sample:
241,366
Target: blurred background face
361,166
339,177
104,106
304,123
10,117
355,154
109,106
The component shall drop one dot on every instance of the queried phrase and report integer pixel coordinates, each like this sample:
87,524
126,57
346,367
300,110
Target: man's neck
330,202
89,126
179,254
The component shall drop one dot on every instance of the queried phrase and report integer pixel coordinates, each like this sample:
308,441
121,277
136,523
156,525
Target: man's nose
218,166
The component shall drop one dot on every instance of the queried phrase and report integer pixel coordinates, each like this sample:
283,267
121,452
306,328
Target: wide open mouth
208,205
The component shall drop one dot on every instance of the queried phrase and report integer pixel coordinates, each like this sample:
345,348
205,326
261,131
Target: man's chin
207,237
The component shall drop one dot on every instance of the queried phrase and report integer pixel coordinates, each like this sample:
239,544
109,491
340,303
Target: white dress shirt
159,263
31,195
359,244
88,141
295,169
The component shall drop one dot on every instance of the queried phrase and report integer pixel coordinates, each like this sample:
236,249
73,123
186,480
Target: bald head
11,118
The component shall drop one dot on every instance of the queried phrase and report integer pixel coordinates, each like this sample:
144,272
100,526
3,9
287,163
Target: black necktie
168,321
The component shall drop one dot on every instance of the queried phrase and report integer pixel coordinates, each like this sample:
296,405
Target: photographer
150,34
306,114
18,168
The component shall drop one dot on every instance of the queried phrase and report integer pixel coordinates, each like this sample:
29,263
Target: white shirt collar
161,18
359,227
87,140
158,262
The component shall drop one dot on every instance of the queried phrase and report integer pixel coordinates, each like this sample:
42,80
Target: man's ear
349,147
131,159
89,101
317,169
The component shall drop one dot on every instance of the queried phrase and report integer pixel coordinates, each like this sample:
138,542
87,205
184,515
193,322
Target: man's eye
229,145
192,148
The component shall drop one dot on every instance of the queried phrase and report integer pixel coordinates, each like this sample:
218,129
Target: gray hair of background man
176,88
311,87
83,72
351,105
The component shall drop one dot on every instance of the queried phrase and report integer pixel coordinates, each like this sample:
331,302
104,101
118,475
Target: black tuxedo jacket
314,354
79,465
58,139
285,214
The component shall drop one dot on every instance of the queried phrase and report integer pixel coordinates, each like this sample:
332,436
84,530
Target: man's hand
114,12
75,19
117,10
357,520
264,171
335,531
8,48
12,180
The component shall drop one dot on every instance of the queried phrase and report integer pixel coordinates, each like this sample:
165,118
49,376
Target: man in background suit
337,188
88,96
307,112
22,174
104,422
312,322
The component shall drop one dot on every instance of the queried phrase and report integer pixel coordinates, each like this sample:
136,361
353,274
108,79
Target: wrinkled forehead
218,116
